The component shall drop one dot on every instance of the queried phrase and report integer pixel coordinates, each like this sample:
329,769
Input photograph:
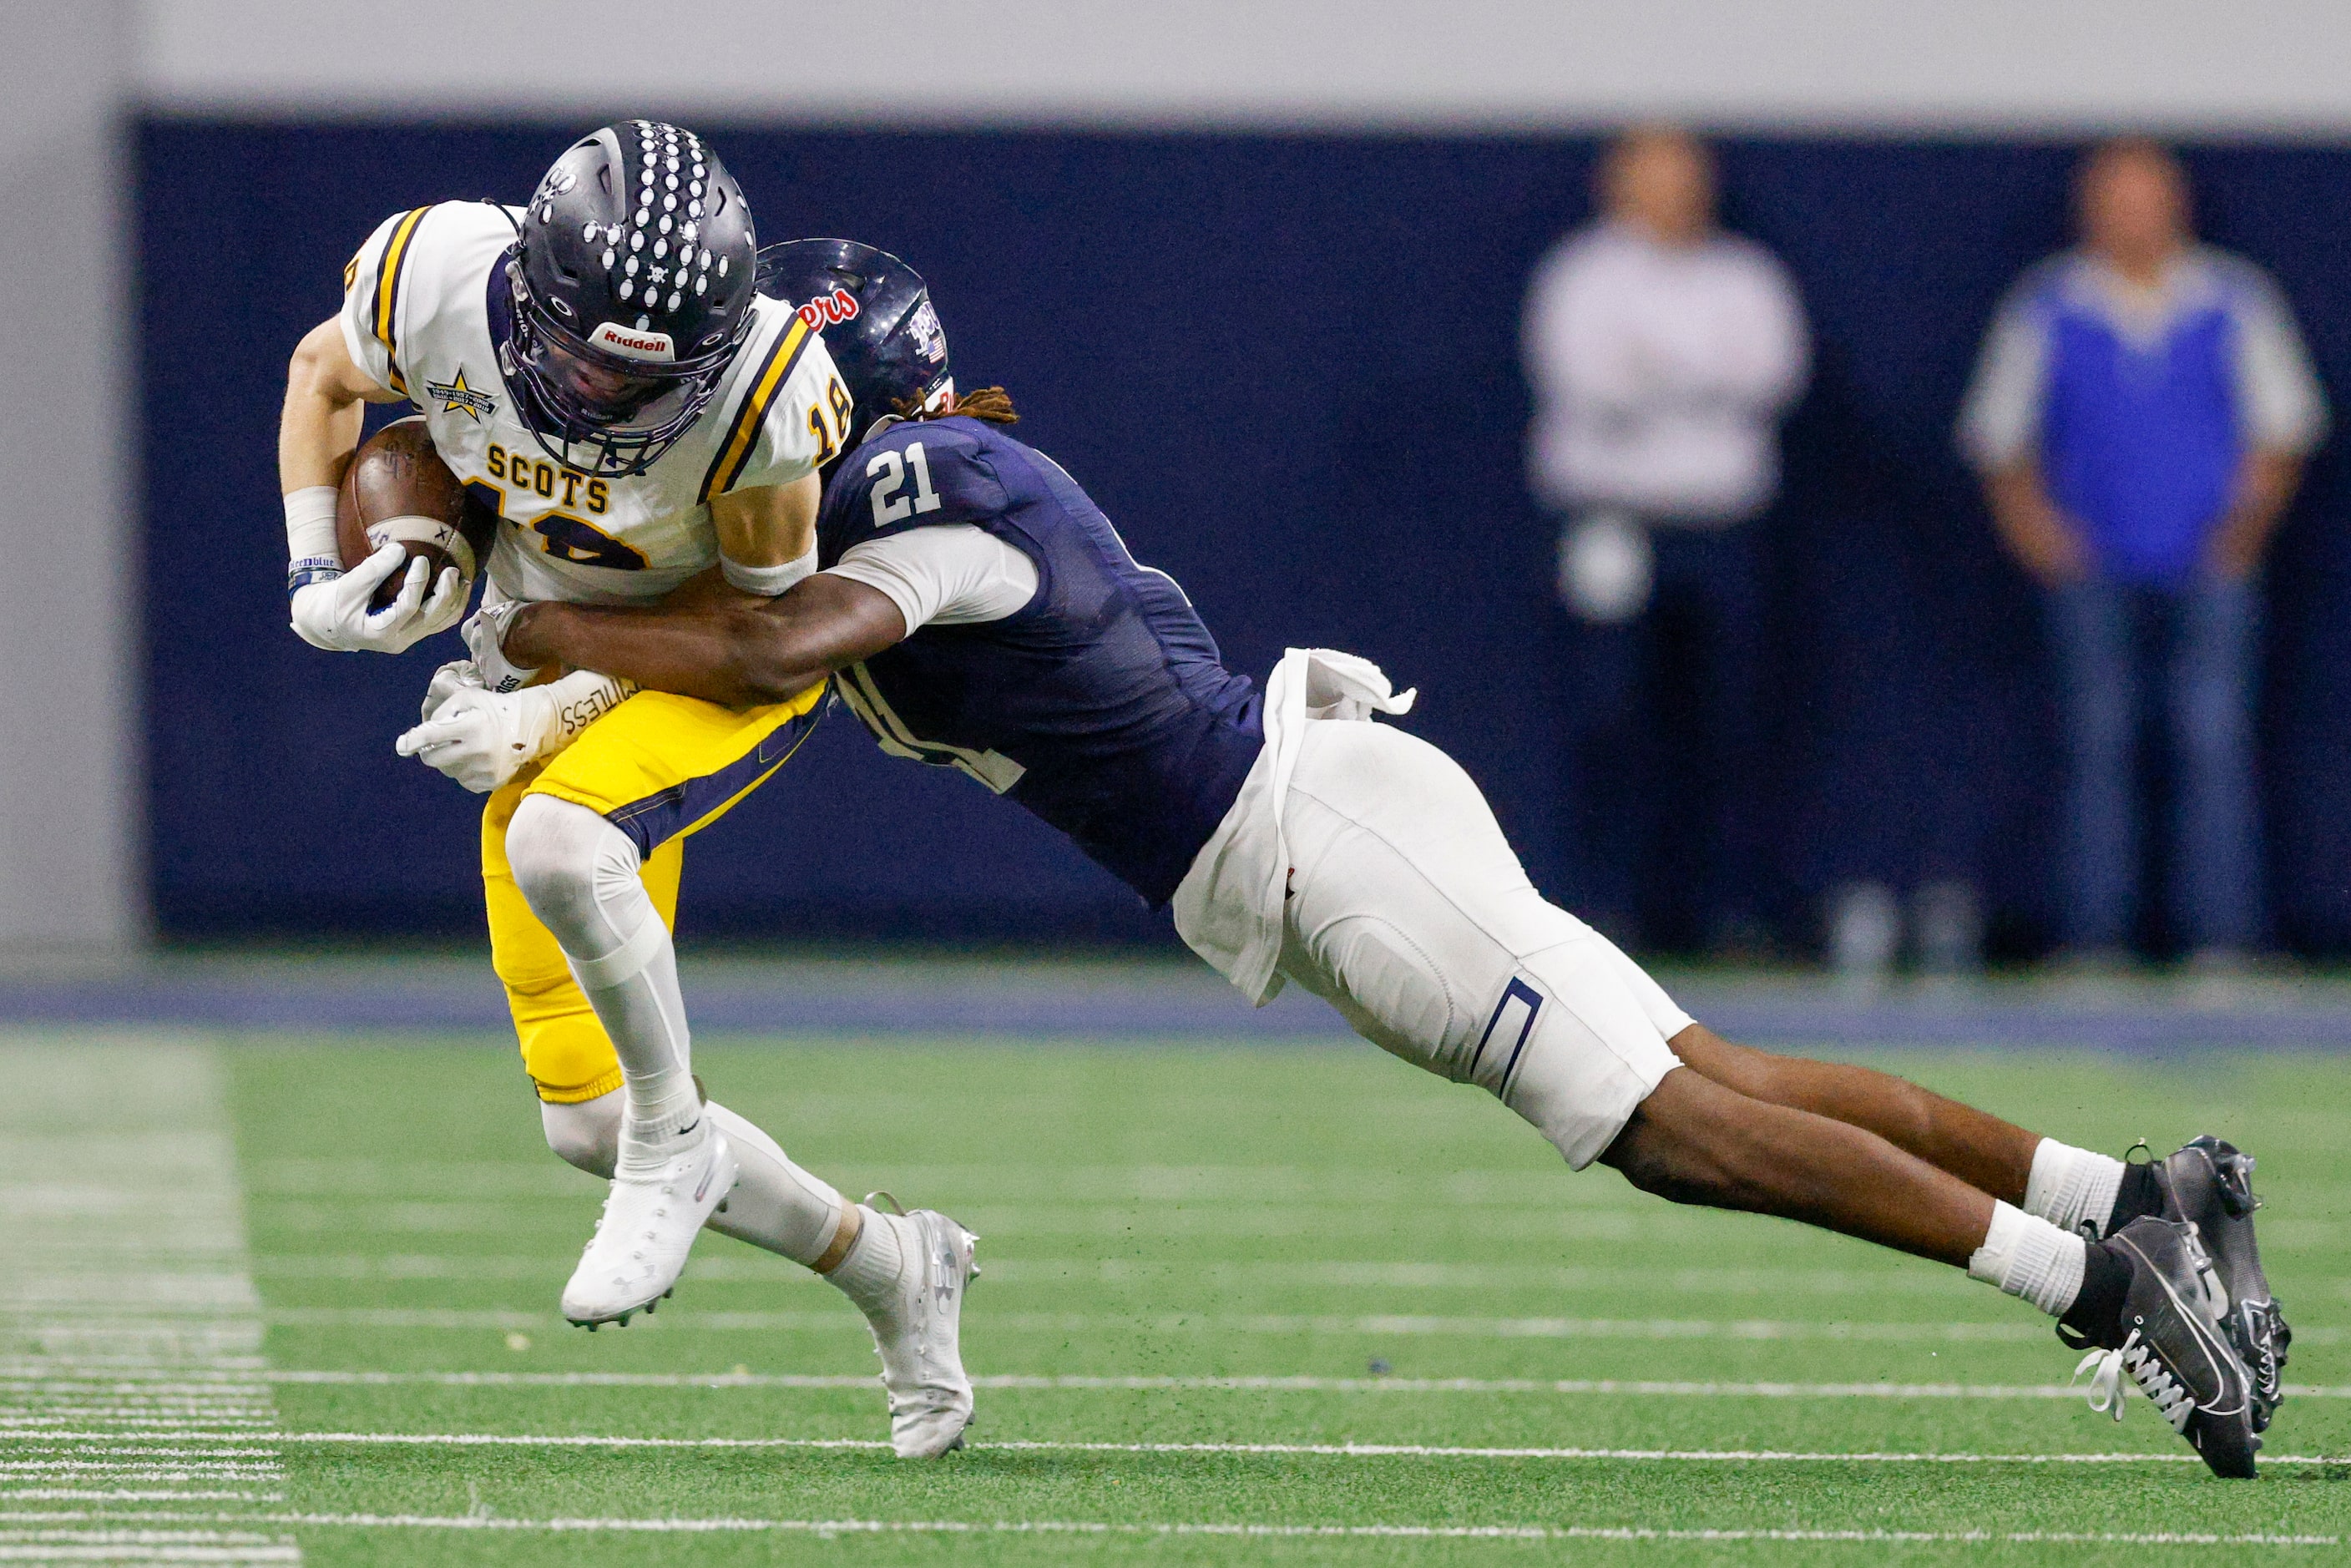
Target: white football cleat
919,1336
647,1227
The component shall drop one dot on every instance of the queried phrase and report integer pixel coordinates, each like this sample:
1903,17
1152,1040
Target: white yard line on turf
1613,1388
1323,1451
127,1313
1389,1325
746,1266
55,1527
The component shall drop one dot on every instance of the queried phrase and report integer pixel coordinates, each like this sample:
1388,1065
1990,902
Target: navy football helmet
877,324
631,276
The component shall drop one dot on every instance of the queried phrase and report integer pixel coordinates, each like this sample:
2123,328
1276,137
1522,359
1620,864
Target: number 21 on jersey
889,505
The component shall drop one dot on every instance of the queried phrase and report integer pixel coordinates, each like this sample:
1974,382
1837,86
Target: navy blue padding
1287,368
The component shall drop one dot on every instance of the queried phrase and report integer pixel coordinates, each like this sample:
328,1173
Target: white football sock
2030,1257
2069,1187
580,874
776,1205
869,1275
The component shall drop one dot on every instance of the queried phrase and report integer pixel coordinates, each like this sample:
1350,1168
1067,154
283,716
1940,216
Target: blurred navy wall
1287,366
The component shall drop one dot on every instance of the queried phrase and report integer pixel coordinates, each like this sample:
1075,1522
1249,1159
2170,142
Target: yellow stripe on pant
660,768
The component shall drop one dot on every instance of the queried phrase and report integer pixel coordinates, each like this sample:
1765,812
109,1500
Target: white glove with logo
482,738
333,614
483,634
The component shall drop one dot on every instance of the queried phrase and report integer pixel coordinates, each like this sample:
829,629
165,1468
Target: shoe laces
2136,1358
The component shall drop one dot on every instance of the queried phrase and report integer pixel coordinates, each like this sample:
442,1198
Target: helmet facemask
630,286
603,412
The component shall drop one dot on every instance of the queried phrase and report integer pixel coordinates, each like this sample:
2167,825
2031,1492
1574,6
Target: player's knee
1655,1165
586,1133
1680,1146
563,855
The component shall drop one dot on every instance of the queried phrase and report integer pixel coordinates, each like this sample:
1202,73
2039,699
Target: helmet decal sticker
830,310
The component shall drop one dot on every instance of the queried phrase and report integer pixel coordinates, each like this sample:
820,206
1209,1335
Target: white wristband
311,524
311,553
769,581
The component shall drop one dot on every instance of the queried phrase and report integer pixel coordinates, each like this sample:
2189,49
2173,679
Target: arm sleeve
956,575
373,299
2000,419
2279,397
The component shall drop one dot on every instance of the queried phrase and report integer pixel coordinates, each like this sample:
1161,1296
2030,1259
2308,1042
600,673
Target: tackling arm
739,650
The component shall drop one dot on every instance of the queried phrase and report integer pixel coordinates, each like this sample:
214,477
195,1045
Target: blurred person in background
2140,415
1663,352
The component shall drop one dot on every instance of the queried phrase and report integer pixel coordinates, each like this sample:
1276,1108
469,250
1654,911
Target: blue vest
1103,706
2139,440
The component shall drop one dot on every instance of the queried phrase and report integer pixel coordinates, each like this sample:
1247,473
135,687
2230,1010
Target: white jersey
416,318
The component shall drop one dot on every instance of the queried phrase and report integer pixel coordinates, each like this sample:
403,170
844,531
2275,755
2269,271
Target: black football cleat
2168,1339
2209,1184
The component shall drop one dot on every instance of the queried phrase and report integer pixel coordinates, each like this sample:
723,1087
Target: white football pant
1409,912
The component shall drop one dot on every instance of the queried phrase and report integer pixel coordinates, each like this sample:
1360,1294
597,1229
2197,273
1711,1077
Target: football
397,489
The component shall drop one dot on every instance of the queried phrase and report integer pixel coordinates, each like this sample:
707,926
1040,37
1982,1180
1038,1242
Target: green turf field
1265,1305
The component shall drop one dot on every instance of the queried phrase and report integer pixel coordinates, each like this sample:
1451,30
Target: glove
457,676
483,634
334,614
483,738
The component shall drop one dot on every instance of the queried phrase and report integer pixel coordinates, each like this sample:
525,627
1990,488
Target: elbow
311,370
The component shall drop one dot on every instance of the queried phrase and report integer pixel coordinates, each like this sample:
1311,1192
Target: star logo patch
456,397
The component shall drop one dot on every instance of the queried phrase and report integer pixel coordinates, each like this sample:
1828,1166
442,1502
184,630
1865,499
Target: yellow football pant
659,767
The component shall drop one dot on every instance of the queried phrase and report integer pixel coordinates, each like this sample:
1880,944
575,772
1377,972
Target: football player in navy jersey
982,613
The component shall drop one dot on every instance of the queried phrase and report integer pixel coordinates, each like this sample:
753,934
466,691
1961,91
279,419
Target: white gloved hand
334,614
483,634
482,738
457,676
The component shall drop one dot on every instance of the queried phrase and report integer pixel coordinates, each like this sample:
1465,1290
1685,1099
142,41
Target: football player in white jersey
599,370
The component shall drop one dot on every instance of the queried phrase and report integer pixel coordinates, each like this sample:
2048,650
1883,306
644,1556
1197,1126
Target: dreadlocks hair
993,404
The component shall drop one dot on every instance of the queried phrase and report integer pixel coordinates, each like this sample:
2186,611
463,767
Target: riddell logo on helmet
830,310
634,342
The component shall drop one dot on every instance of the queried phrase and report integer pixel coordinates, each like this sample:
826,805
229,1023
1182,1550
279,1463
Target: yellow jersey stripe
387,290
743,436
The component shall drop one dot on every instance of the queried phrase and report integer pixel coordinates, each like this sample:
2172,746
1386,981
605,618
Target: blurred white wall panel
67,789
2186,65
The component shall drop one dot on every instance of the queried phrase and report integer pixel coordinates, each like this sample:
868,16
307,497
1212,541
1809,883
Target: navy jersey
1103,706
